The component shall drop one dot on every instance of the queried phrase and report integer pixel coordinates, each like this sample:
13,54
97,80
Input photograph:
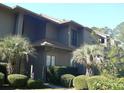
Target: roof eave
7,7
21,9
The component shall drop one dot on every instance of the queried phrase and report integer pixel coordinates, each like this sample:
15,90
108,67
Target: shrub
103,83
117,84
51,76
17,80
95,69
3,69
120,67
54,73
95,82
67,80
34,84
2,76
80,82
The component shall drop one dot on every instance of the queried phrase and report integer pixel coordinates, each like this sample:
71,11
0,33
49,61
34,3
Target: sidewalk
55,86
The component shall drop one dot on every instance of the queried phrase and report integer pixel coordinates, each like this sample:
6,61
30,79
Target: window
50,60
102,40
74,37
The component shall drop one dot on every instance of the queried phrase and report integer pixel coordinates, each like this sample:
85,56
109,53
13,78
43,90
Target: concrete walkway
55,86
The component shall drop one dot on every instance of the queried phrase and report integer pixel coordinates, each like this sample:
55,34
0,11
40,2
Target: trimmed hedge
94,82
17,80
67,80
34,84
54,73
2,76
80,82
3,69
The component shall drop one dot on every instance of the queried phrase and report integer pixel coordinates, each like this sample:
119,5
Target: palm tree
87,55
14,49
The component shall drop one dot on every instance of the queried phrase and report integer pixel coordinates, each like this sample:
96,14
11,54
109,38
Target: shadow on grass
7,87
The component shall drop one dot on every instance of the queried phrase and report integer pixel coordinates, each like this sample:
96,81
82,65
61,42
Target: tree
87,55
14,49
119,32
114,56
104,30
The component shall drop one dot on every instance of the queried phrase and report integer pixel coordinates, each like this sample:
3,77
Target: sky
90,15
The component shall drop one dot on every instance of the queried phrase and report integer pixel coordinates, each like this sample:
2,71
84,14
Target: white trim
50,60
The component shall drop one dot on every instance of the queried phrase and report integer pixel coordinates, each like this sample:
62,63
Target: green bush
54,73
96,70
105,83
120,69
67,80
3,69
80,82
34,84
17,80
2,76
94,82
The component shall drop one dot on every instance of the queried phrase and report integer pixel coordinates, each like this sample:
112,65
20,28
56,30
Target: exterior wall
51,31
63,35
34,29
62,57
7,21
79,38
19,23
38,64
87,37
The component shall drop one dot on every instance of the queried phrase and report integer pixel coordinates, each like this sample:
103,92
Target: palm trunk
10,68
89,71
19,66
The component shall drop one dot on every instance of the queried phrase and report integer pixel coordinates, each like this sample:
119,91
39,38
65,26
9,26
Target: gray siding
62,57
63,35
38,64
34,29
7,21
81,38
88,38
51,31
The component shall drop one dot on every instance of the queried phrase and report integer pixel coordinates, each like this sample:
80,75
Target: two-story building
53,39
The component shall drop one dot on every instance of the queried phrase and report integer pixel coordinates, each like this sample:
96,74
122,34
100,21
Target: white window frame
50,60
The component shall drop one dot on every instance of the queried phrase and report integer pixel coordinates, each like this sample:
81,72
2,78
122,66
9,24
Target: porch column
69,36
105,41
19,24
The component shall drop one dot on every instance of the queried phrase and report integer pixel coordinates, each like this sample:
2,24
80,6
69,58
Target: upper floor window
74,37
102,40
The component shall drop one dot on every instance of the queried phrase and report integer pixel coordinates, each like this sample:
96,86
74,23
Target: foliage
114,62
17,80
116,54
120,69
93,82
2,76
67,80
86,55
119,32
34,84
109,69
55,72
80,82
96,70
105,83
3,69
14,49
104,30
